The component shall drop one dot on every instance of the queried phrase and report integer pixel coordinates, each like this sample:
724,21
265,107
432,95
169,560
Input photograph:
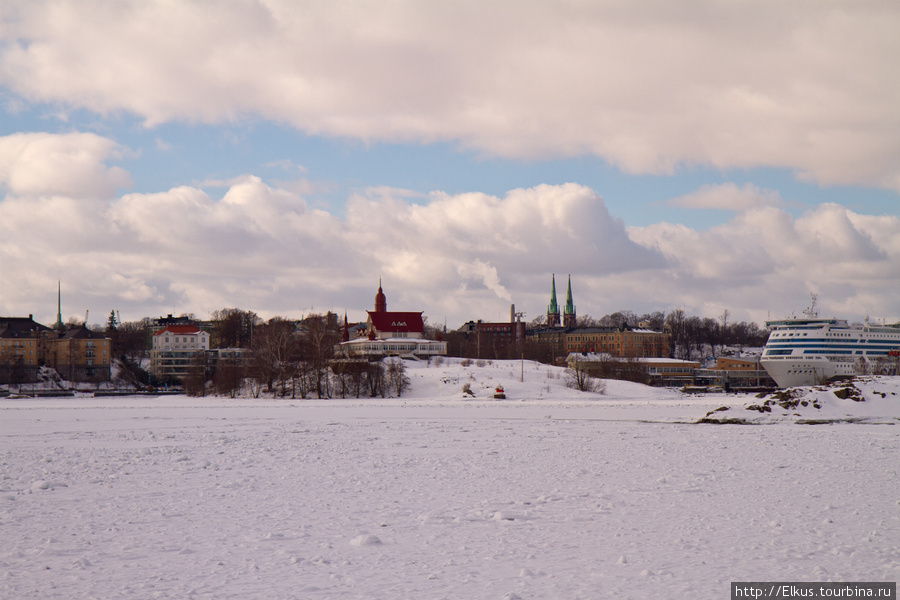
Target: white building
174,347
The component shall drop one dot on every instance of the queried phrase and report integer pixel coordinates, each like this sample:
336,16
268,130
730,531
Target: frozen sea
550,493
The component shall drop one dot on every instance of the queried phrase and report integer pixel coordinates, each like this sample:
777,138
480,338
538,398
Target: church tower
553,309
569,311
380,299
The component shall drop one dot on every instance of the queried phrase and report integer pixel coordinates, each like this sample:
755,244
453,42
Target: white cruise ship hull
792,372
811,351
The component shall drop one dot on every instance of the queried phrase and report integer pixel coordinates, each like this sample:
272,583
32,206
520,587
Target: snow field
206,500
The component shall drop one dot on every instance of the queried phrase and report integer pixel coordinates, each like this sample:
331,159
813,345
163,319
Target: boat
810,350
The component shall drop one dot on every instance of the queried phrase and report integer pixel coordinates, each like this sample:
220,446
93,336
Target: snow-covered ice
550,493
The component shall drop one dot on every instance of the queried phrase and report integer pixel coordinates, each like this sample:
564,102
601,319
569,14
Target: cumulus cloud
728,196
647,86
43,164
766,262
455,256
264,248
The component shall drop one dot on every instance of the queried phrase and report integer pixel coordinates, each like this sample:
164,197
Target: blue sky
175,154
717,156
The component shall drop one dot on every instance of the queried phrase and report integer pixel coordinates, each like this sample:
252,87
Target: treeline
689,334
296,358
692,336
283,357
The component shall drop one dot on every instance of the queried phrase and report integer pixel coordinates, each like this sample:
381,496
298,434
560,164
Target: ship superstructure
810,350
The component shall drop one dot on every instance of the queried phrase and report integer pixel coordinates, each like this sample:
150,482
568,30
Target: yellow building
80,354
77,354
621,342
725,363
23,348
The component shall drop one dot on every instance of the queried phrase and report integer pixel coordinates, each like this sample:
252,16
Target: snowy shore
551,493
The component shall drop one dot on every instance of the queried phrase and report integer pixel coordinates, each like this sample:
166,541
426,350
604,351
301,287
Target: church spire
59,323
380,299
569,311
553,309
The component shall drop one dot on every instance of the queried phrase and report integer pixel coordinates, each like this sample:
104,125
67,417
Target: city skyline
280,157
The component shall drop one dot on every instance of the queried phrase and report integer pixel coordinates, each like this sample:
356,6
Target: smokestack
512,313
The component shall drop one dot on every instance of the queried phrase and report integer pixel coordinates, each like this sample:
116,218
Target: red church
391,333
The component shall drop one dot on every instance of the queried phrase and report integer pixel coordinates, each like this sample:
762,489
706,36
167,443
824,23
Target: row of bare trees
693,337
357,378
293,359
280,356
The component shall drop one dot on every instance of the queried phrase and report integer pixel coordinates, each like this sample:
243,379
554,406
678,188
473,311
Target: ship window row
871,335
830,335
812,344
867,348
868,352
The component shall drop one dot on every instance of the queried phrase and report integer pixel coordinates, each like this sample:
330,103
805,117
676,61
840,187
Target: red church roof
408,322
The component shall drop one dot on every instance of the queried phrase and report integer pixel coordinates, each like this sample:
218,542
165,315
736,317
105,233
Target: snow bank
550,493
870,400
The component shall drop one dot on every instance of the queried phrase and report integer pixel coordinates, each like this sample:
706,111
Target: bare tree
674,326
197,376
397,377
619,318
233,328
538,322
579,378
130,339
317,350
275,352
229,377
375,379
358,372
586,321
340,369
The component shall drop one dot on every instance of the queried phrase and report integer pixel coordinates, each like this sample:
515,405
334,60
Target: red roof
179,330
409,322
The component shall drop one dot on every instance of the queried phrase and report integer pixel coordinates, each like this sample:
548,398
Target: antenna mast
812,312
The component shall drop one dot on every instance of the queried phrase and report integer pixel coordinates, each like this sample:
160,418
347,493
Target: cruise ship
810,350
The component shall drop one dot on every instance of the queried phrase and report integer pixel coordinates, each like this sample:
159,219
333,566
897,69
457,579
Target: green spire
570,306
554,309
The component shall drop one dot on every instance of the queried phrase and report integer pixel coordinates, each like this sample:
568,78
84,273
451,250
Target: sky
163,157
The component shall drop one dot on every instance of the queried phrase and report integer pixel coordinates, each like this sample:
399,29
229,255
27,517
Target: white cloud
457,257
43,164
264,248
728,196
765,263
648,86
